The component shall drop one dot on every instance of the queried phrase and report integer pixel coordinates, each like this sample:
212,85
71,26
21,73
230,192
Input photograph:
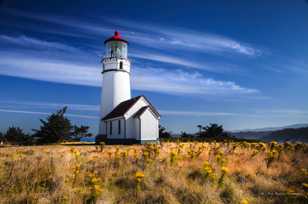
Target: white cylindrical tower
116,76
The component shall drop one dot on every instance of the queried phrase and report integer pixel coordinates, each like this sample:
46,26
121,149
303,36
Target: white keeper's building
124,119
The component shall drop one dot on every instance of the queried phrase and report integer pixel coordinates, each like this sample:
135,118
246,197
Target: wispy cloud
179,82
48,105
147,34
195,113
189,64
47,113
52,49
45,108
168,59
295,66
146,79
193,41
285,112
48,70
75,25
261,114
181,38
163,112
35,43
30,107
55,68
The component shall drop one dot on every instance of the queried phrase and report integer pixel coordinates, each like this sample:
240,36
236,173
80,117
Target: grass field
225,172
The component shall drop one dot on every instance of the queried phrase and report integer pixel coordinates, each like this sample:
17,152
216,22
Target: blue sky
243,64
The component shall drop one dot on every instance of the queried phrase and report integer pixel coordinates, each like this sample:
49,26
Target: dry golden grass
225,172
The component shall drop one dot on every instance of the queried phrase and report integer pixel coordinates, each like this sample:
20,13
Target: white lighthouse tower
123,119
116,76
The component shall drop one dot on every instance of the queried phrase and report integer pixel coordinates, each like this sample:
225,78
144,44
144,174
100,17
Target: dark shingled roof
122,108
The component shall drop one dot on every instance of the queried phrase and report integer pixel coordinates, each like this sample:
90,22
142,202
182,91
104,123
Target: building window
121,65
110,130
119,127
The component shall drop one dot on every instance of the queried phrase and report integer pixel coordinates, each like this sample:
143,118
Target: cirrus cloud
145,79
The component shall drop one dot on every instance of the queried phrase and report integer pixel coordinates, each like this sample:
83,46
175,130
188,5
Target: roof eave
115,118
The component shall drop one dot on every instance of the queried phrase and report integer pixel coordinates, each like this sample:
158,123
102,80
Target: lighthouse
123,119
116,76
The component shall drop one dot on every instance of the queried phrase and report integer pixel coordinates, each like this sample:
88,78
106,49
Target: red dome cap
115,37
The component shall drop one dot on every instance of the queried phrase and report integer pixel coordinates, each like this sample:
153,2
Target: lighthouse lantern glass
116,49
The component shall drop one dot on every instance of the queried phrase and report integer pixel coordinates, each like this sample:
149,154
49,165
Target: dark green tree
1,136
163,134
200,129
82,131
213,130
15,135
185,135
55,129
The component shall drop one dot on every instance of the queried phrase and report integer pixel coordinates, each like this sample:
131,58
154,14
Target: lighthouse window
121,65
110,128
119,127
116,49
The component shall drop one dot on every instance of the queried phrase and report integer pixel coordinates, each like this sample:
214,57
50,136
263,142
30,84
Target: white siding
115,87
115,129
131,130
137,128
143,128
149,126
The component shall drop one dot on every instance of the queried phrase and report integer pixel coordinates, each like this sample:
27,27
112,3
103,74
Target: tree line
55,128
207,132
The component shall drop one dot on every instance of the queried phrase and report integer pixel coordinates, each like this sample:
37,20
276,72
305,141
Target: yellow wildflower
224,170
139,175
244,201
98,189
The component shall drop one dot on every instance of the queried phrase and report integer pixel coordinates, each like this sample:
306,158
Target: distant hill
289,134
250,134
265,129
297,132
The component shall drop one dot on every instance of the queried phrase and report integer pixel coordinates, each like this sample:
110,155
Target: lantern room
116,47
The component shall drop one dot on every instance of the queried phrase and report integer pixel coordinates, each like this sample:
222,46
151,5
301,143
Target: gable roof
143,109
140,111
123,107
152,107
